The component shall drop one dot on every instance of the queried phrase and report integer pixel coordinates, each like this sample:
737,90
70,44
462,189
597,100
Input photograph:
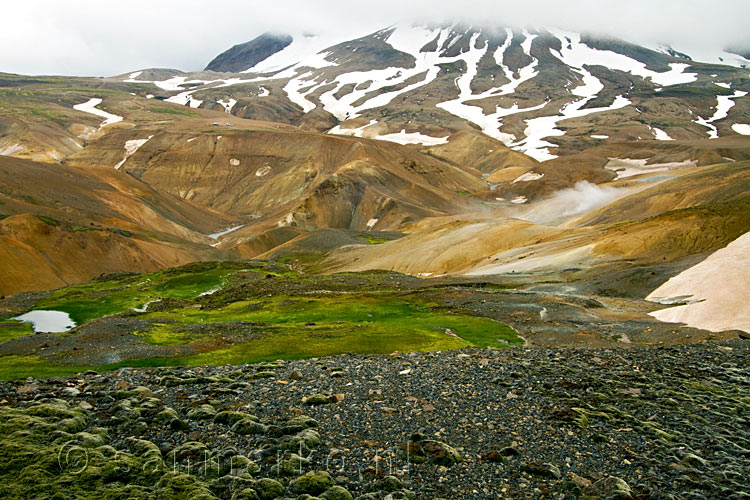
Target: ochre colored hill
63,225
306,179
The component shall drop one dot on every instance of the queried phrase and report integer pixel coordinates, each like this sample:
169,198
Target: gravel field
644,422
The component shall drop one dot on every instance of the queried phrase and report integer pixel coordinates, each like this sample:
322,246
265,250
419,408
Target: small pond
47,321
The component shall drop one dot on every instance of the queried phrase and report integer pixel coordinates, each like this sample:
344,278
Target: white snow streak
228,104
90,107
537,129
216,236
575,53
723,105
354,132
491,123
304,51
413,138
660,135
130,148
527,177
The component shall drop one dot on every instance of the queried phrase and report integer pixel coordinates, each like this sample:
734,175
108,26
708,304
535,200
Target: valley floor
641,423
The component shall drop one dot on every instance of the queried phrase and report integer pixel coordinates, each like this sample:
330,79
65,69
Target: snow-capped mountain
543,92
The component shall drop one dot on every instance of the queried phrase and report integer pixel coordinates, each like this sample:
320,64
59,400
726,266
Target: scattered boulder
542,469
611,488
312,483
336,493
202,412
438,452
248,426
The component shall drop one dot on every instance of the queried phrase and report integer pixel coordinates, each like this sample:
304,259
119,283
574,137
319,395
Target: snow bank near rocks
716,290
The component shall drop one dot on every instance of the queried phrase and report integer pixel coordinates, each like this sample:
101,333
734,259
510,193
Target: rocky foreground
668,422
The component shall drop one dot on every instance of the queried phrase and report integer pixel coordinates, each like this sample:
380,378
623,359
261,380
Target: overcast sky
109,37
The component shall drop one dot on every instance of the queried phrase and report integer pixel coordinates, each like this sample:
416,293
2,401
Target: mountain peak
248,54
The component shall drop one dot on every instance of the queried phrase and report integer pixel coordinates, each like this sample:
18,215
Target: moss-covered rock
436,451
178,486
192,450
319,399
542,469
336,493
268,489
312,483
165,416
238,465
291,465
610,488
389,483
246,494
248,426
202,412
305,440
230,417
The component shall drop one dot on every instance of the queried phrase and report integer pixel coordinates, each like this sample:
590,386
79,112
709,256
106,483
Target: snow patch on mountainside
413,138
627,167
490,123
707,55
723,105
410,39
538,129
292,89
343,108
660,135
524,74
90,107
228,104
131,147
528,177
353,132
741,128
185,99
575,53
716,291
304,51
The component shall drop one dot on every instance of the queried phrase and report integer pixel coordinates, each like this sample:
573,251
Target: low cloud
581,198
86,37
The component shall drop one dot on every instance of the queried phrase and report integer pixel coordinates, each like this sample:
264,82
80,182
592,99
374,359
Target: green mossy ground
14,329
259,311
47,455
322,326
111,296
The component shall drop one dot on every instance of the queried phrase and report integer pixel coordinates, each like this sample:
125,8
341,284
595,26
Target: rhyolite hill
458,262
